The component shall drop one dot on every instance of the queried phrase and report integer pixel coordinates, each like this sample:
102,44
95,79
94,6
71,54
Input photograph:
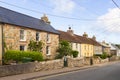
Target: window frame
23,47
23,35
48,50
48,38
38,36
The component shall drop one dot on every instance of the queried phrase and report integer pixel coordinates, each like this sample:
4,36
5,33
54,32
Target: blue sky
96,17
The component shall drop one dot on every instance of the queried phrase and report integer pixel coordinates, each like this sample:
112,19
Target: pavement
35,75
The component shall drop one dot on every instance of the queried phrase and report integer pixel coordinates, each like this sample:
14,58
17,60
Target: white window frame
38,36
48,38
48,50
24,35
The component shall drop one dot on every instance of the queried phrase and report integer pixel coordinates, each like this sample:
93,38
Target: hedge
102,56
18,56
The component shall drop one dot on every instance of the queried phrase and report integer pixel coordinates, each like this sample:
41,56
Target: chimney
70,31
45,19
94,38
85,35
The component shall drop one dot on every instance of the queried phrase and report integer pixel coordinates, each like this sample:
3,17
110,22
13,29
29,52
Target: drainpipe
2,24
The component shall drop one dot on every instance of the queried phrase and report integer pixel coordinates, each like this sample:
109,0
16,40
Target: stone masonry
12,39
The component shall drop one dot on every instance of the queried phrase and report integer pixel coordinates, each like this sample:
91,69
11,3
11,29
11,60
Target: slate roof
15,18
77,39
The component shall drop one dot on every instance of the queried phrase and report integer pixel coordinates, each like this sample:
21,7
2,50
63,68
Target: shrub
102,56
74,53
18,56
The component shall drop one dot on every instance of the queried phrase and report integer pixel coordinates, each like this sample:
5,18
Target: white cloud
111,20
63,6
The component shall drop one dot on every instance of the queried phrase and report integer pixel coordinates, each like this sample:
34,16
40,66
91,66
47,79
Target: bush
102,56
18,56
74,53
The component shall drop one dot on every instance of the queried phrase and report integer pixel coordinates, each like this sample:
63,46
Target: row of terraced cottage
17,29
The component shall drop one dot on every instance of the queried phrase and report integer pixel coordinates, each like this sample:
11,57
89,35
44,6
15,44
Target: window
22,48
91,48
48,50
85,47
76,45
48,37
37,36
22,35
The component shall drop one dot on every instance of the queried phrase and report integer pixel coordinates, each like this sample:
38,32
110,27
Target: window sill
48,42
48,54
23,40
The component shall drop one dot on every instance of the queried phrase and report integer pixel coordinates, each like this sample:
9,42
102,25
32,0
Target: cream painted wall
76,46
87,50
0,43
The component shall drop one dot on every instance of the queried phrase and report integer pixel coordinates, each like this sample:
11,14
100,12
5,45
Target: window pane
37,36
22,48
47,50
48,37
21,34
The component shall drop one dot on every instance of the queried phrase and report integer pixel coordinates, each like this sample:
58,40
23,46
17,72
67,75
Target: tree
64,49
35,46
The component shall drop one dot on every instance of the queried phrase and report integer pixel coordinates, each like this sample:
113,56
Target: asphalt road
106,72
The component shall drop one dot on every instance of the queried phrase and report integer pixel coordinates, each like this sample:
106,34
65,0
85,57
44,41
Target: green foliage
18,56
64,49
102,56
35,46
74,53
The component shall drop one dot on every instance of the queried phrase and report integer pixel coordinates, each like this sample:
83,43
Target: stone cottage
17,29
97,46
105,47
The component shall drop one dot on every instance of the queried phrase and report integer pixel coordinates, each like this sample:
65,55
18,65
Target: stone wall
75,62
46,65
104,60
30,67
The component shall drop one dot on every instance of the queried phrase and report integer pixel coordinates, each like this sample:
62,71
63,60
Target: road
106,72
